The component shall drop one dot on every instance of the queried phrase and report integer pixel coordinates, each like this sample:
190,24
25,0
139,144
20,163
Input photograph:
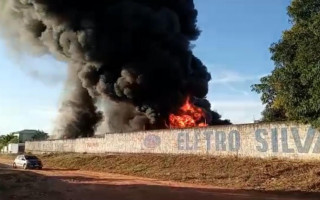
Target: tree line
292,91
13,139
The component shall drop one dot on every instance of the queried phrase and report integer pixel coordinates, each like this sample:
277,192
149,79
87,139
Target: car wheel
25,166
14,165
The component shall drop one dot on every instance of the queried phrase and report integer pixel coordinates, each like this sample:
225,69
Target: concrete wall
4,149
253,140
13,148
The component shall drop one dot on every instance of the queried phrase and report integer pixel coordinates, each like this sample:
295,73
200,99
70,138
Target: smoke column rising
134,56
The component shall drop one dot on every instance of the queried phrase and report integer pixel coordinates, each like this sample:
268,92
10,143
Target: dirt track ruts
83,185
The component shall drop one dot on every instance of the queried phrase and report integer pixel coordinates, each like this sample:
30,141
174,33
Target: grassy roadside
8,156
226,172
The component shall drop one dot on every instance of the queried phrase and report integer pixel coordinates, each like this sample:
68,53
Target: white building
13,148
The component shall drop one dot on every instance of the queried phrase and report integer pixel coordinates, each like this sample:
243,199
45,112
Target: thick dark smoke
135,53
78,113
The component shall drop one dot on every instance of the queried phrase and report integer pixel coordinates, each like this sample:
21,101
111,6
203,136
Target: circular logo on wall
152,141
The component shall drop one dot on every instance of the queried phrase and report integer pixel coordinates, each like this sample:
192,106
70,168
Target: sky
234,45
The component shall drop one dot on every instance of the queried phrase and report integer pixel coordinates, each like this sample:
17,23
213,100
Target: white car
27,161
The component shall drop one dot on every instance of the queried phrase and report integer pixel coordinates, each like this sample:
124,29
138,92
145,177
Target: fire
189,116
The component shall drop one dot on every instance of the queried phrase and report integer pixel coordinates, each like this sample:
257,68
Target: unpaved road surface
59,184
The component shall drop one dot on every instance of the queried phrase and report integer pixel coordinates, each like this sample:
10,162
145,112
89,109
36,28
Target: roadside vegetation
8,139
12,138
226,172
292,91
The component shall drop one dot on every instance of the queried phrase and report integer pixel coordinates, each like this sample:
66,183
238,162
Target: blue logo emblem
152,141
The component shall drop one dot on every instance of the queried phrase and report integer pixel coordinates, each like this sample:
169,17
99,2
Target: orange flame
189,116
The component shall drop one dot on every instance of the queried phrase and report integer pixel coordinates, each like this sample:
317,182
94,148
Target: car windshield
31,157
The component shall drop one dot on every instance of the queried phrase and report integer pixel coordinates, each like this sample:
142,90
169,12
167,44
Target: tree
7,139
40,135
1,143
14,140
292,91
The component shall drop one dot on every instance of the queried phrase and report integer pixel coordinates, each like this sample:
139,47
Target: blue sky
234,45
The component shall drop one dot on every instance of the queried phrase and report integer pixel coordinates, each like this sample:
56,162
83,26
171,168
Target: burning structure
131,66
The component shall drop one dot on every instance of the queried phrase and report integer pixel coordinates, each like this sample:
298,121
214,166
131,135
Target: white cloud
238,112
234,89
232,97
228,76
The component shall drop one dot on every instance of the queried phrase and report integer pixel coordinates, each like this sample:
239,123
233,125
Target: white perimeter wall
251,140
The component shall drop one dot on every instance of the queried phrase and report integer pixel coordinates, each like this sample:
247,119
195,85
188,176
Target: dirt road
82,185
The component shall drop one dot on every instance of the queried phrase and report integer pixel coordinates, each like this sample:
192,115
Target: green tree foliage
40,135
1,144
14,140
7,139
292,91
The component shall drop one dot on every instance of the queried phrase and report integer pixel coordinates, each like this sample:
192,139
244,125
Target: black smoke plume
134,53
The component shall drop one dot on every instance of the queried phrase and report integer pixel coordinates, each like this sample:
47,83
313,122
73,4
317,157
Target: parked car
27,162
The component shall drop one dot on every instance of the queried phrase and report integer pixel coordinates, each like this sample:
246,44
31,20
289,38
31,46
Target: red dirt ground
62,184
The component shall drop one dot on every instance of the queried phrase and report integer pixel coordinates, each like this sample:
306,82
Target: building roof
26,131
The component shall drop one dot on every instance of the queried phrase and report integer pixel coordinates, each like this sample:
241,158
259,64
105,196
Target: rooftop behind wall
250,140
